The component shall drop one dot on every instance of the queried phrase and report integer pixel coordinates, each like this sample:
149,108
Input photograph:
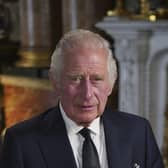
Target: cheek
102,97
68,92
105,90
102,94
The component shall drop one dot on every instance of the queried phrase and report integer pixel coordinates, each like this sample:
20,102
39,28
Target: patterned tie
90,157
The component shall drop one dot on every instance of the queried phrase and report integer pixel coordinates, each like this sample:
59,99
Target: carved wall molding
142,51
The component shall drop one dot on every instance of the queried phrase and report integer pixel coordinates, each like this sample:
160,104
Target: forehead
85,61
85,55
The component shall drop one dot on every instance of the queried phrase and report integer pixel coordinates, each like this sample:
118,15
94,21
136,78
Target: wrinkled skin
84,84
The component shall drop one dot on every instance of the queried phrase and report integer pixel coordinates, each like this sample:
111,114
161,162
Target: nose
86,89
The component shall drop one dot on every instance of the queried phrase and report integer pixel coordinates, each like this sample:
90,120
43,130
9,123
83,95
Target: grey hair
84,38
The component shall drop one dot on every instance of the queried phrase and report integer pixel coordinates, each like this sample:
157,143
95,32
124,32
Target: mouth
87,107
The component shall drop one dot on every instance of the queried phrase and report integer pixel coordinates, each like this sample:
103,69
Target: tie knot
85,132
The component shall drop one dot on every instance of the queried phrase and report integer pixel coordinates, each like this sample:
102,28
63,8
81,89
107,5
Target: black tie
90,157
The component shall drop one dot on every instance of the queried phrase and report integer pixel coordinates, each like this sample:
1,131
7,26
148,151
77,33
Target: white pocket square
136,165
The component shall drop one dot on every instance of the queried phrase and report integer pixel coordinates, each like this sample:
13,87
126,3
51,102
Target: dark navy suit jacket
42,142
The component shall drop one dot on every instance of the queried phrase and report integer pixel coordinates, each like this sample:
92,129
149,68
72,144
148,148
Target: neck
84,124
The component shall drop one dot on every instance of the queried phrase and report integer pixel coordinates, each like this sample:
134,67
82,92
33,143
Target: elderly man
81,132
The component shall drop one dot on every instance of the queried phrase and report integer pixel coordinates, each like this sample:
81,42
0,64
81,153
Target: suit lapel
54,143
116,143
56,149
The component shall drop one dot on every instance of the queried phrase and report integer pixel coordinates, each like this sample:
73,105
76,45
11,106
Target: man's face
84,84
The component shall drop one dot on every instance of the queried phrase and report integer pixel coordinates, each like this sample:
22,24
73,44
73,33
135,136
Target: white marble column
141,48
131,52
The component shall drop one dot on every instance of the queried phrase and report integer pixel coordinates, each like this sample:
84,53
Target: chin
86,121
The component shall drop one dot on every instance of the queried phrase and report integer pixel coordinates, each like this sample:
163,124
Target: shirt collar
73,128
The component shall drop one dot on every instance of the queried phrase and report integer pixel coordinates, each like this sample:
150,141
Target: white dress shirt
76,140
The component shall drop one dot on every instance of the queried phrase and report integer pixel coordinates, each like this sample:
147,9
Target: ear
111,85
110,89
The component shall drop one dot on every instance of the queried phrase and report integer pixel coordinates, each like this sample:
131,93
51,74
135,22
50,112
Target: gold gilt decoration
151,15
145,12
119,10
34,58
34,83
162,13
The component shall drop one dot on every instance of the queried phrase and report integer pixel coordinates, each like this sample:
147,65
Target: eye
96,78
75,78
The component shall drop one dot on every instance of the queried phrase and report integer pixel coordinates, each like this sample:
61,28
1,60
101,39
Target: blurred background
136,29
